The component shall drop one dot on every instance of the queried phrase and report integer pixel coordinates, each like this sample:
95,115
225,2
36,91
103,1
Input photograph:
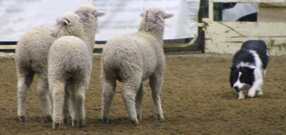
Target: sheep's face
88,12
68,24
154,18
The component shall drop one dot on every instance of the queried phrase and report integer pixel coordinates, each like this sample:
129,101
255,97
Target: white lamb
31,58
88,14
69,70
132,59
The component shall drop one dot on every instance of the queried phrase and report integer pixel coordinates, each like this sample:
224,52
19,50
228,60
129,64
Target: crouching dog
249,68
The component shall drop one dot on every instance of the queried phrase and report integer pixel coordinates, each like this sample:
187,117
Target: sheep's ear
142,14
98,14
64,22
251,69
165,15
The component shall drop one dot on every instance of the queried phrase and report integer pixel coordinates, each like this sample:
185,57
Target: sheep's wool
132,59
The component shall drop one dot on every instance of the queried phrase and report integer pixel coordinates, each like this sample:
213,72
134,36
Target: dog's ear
232,68
250,70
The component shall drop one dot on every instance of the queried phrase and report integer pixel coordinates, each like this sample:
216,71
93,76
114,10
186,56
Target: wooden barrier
227,37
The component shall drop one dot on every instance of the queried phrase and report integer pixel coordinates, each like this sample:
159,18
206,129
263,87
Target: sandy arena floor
196,99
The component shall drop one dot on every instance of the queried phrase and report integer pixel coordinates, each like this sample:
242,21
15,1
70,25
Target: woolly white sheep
31,58
69,70
88,14
132,59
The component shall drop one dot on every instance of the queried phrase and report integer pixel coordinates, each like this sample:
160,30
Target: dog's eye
243,78
246,78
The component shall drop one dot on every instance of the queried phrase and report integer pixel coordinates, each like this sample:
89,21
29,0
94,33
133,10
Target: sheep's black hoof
74,123
135,122
22,118
49,118
56,125
105,120
67,119
139,117
78,124
160,117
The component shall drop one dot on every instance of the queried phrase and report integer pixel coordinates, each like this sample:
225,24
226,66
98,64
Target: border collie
249,68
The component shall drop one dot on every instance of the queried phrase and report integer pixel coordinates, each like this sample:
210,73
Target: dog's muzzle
236,89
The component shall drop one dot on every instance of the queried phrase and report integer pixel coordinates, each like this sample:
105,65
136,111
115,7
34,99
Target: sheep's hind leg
58,94
156,83
78,97
43,93
68,106
108,87
68,110
130,89
139,98
23,84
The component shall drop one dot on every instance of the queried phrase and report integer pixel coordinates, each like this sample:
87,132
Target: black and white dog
249,68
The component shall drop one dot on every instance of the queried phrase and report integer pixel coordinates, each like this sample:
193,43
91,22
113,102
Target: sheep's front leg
156,82
23,84
58,94
139,98
78,97
108,87
43,93
130,89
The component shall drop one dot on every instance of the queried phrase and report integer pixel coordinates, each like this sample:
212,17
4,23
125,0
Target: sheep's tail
110,64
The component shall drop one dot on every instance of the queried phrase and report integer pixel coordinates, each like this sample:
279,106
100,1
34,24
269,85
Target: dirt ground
196,99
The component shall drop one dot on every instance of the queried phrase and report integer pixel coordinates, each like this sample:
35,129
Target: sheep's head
68,24
88,12
153,18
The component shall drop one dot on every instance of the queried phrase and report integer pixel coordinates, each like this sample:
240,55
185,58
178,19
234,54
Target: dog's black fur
245,56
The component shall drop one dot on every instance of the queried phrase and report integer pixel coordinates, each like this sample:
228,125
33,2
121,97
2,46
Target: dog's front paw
259,93
251,93
241,95
241,98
